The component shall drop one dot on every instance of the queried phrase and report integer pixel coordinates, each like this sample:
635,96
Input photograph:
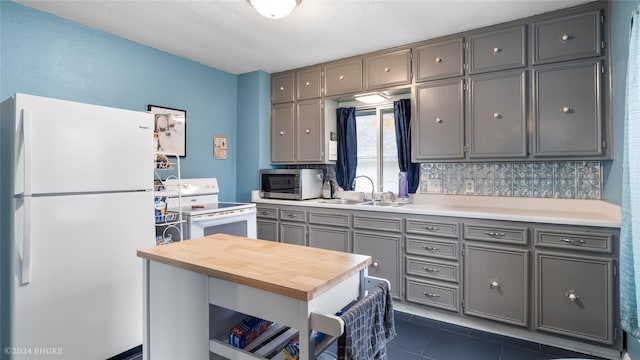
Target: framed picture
171,127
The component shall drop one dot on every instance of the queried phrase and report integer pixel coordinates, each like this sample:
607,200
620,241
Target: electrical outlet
469,186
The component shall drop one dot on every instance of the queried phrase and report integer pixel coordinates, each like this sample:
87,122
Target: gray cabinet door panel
567,109
387,70
282,133
439,127
574,296
309,83
570,37
329,238
343,77
293,233
309,134
496,283
433,294
293,214
282,87
267,212
439,60
267,229
498,50
498,115
385,251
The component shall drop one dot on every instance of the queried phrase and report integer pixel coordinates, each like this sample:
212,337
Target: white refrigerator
77,202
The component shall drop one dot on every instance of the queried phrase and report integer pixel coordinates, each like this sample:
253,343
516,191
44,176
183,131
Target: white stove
204,214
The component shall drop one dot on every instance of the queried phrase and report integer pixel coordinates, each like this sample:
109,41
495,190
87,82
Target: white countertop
539,210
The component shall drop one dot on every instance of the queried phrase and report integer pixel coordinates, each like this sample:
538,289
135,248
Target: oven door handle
214,217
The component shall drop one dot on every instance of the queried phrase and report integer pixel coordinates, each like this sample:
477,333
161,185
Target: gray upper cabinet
497,115
282,87
498,50
387,70
567,109
309,83
439,127
343,77
282,132
309,134
439,60
570,37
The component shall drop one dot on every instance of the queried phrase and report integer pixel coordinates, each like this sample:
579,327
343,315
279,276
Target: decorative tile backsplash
546,179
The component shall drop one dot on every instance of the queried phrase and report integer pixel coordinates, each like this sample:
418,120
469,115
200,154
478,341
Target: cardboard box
246,331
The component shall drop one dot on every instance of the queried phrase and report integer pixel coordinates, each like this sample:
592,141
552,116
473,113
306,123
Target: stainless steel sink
340,201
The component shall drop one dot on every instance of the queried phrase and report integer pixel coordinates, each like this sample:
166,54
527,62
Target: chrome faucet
373,190
392,196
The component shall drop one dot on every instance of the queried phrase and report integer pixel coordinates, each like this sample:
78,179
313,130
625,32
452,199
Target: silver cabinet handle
439,120
264,213
386,69
341,77
430,248
292,216
431,295
572,241
566,110
282,133
427,269
281,88
572,295
431,228
438,60
564,38
496,50
497,116
494,234
494,284
308,131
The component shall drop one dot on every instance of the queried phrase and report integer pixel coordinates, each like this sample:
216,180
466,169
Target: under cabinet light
371,98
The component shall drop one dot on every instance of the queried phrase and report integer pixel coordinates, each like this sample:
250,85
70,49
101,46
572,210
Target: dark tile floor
425,339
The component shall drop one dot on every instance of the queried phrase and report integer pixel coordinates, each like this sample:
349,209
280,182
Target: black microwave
291,184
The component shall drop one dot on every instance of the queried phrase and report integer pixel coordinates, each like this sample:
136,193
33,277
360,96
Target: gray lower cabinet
439,127
330,230
497,115
496,283
433,293
567,109
574,296
267,229
385,251
293,226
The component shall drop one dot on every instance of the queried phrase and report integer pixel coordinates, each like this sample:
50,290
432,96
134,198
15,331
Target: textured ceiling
230,35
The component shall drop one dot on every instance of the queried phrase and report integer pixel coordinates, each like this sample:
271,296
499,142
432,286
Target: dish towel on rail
368,326
630,229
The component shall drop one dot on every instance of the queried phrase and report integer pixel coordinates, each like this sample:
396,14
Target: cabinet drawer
499,233
433,294
309,83
293,215
440,60
571,37
428,227
282,87
432,269
377,223
387,70
433,248
343,77
498,50
574,296
587,241
267,229
265,212
332,219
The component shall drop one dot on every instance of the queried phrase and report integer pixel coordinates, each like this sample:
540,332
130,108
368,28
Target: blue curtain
347,147
402,114
630,229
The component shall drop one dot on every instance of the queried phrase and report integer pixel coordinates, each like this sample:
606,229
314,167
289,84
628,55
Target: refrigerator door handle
26,148
25,263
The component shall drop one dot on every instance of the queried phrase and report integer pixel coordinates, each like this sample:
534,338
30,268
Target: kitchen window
377,150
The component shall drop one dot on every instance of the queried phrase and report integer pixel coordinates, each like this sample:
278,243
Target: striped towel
368,326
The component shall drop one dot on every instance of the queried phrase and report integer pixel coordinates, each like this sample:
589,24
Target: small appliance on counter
291,184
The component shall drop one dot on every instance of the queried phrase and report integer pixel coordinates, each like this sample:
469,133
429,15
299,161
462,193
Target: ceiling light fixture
371,98
274,9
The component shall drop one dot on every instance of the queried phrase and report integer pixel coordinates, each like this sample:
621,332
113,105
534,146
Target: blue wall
45,55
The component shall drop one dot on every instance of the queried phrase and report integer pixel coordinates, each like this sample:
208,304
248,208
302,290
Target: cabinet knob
496,50
431,295
281,88
308,131
430,248
564,38
341,77
567,110
307,83
282,133
375,264
431,228
438,120
572,295
387,69
438,60
427,269
494,284
497,116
